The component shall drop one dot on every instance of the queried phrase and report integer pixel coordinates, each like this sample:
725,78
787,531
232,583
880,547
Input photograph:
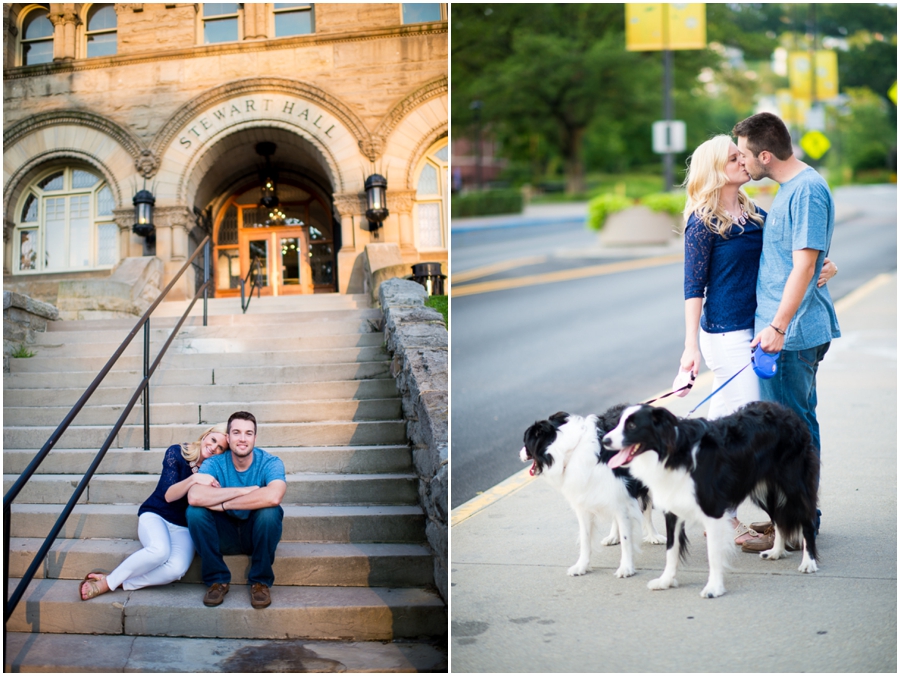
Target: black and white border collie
697,469
566,450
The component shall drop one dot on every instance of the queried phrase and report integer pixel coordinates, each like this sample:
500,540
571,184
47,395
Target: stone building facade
201,105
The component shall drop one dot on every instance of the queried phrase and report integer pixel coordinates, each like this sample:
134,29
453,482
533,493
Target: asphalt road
581,346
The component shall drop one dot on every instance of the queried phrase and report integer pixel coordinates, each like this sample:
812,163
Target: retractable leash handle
682,385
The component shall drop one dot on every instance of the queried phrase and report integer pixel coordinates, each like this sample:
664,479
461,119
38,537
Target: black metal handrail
143,387
255,284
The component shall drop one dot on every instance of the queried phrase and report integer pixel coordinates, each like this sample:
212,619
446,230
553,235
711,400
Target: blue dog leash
691,412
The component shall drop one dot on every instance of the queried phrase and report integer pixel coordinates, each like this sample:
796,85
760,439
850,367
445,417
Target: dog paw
610,540
771,554
578,569
625,571
711,591
661,583
808,567
655,539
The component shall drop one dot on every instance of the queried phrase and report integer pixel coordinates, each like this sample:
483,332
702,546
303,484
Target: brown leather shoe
761,526
765,542
215,594
259,595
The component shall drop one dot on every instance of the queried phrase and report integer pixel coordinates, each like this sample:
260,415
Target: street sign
815,118
815,144
669,136
652,27
892,92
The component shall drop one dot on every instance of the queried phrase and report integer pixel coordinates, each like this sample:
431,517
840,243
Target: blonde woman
722,244
162,525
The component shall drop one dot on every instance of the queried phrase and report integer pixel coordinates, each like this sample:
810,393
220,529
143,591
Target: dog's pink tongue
619,458
533,465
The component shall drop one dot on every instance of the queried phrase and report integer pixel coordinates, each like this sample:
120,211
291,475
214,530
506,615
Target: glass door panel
290,261
258,248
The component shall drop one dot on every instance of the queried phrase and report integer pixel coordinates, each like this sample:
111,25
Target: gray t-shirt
801,217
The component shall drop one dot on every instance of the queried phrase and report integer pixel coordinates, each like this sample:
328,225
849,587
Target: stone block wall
22,318
417,339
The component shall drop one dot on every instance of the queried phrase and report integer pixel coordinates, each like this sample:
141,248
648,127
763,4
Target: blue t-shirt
724,269
264,469
802,217
175,469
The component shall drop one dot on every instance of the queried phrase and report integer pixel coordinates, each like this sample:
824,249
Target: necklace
741,219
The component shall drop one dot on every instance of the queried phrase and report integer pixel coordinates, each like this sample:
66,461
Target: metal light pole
668,103
476,106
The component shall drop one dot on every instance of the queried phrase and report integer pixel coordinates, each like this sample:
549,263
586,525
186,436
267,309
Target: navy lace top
175,469
725,271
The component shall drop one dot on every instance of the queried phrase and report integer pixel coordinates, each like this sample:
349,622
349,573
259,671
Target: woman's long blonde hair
704,182
191,451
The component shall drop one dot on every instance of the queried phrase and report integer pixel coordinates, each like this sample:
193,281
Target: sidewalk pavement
514,609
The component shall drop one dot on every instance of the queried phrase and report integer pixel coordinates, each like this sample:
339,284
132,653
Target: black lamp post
376,202
143,216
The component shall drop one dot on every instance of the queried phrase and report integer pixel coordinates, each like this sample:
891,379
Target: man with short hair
242,516
794,316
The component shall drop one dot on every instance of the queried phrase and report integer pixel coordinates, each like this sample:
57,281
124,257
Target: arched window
102,39
37,37
64,222
431,198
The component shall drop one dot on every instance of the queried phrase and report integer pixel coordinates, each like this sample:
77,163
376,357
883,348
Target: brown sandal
93,585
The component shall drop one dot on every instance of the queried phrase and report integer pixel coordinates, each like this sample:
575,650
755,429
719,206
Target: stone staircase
354,585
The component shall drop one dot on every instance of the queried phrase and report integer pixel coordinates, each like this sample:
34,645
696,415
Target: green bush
439,303
665,202
486,203
600,208
22,352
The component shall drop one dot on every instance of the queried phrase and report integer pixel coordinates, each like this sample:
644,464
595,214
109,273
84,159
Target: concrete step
341,613
218,374
302,523
203,345
296,563
268,304
270,435
83,653
372,316
42,364
188,413
65,333
302,488
380,388
334,459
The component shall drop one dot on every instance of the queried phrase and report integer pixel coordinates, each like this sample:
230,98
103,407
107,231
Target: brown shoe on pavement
215,594
765,542
761,526
259,595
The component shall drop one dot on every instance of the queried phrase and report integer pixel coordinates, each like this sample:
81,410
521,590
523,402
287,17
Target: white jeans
725,354
167,554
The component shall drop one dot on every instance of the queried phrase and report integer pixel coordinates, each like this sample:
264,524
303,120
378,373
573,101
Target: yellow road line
861,292
564,275
502,266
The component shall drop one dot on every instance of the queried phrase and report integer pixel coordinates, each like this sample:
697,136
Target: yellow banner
792,111
801,77
657,26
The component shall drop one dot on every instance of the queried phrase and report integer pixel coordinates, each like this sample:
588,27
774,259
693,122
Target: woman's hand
690,360
829,270
205,480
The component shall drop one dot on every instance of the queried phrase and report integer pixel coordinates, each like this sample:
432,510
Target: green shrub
665,202
439,303
486,203
600,208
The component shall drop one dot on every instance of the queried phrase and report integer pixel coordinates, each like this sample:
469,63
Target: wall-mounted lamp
143,216
376,201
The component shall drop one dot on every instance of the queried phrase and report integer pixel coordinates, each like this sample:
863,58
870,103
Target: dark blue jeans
216,534
794,385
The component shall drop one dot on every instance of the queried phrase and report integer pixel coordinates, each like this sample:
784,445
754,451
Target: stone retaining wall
417,339
22,317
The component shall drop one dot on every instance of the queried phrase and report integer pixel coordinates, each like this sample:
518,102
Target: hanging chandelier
268,200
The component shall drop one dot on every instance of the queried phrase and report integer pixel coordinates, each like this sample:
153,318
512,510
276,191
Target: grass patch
22,352
440,304
634,185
